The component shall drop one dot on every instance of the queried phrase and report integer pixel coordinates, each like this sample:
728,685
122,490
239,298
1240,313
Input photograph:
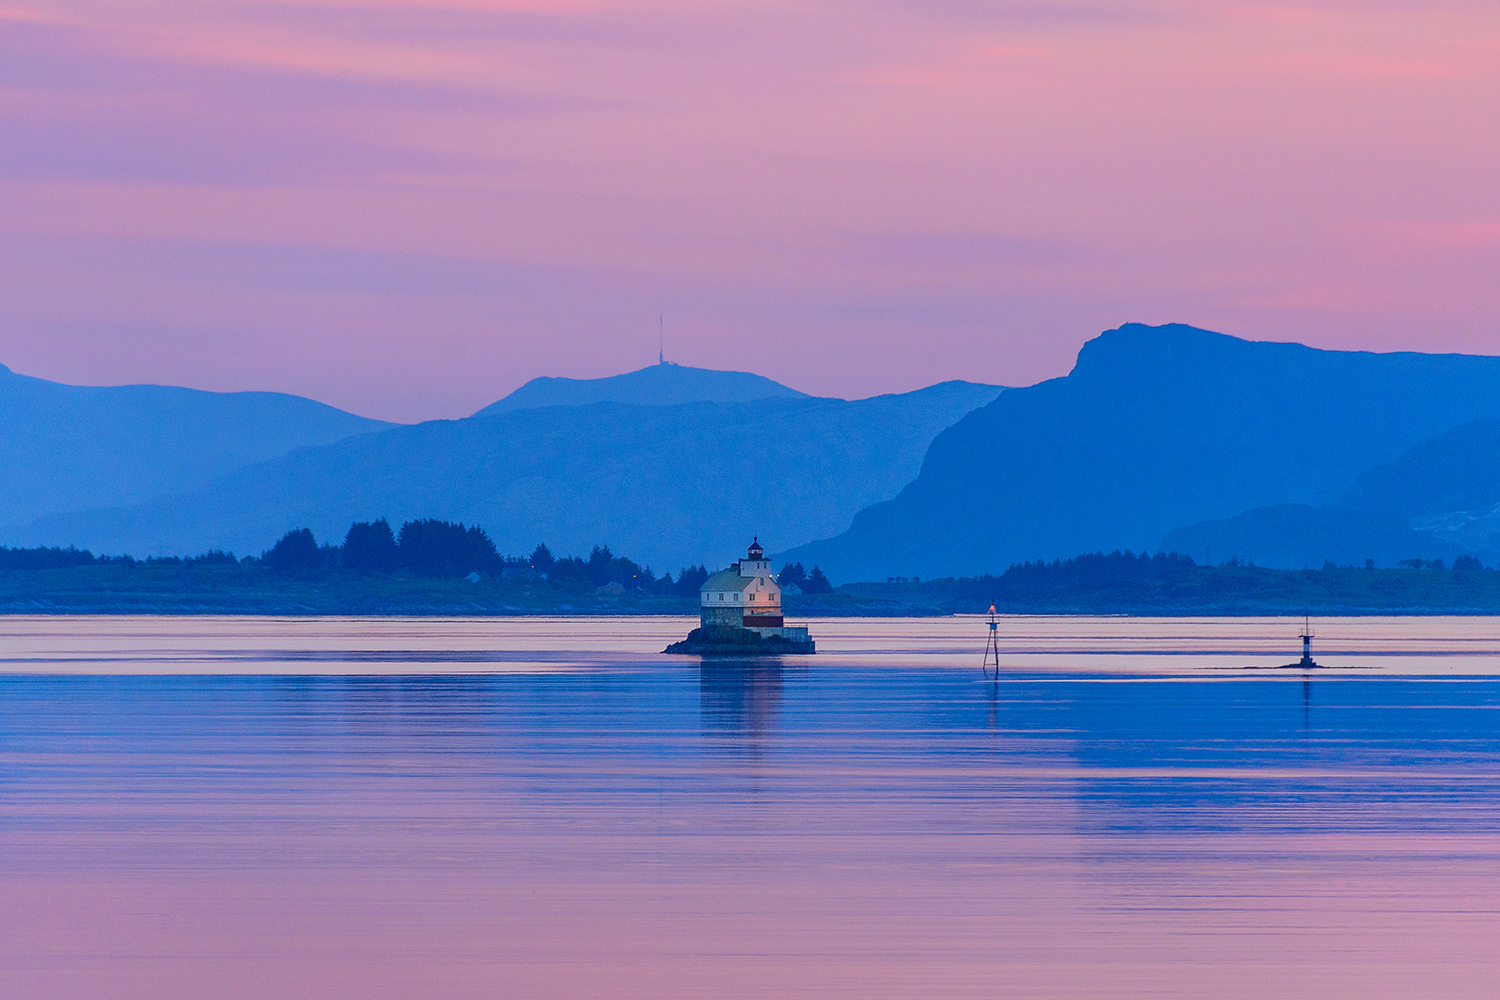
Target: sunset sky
407,209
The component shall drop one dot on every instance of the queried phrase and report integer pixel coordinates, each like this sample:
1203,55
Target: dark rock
730,640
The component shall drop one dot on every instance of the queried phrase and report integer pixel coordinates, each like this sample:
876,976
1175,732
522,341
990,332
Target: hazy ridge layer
671,485
1438,500
70,447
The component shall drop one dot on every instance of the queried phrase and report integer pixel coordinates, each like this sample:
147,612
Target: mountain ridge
1154,428
69,447
673,485
664,384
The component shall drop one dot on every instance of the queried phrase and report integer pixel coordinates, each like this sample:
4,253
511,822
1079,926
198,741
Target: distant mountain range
1160,437
672,465
1179,437
68,447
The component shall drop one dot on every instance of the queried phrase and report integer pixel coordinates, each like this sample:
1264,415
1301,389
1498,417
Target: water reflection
740,701
1306,703
878,824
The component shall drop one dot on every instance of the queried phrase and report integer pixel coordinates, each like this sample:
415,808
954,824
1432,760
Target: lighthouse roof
727,580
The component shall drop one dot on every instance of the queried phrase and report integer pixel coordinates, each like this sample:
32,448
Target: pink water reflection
1358,917
863,825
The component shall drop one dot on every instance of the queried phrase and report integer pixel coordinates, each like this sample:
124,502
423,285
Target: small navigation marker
1307,662
992,651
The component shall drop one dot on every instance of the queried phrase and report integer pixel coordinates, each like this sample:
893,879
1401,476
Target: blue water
1137,754
816,827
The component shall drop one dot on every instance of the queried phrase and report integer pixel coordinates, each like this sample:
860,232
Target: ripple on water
550,808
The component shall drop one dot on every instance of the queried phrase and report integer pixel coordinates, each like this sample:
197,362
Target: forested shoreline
1173,584
440,568
428,566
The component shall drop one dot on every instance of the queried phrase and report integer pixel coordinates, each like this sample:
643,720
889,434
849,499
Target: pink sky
408,209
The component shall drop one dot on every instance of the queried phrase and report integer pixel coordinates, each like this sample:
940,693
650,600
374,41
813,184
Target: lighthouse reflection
740,701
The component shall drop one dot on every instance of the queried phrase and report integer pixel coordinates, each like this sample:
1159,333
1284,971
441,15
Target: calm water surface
222,807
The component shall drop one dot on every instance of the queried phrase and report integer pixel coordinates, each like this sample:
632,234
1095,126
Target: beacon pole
993,648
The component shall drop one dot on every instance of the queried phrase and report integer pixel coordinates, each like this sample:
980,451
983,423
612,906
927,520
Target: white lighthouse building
746,595
741,614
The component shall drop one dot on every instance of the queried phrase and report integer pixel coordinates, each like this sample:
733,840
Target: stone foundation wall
792,633
723,616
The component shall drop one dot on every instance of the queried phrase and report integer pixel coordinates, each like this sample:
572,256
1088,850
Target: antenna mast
661,339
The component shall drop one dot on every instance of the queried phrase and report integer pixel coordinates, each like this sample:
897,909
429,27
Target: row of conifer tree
435,548
427,548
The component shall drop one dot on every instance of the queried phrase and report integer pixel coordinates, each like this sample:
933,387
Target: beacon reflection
740,700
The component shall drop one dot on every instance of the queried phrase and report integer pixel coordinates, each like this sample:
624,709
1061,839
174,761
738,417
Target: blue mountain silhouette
1155,428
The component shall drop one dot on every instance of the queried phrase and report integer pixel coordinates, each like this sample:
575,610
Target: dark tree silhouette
296,554
441,548
370,547
44,558
602,567
541,559
817,583
689,580
1095,569
599,566
793,575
